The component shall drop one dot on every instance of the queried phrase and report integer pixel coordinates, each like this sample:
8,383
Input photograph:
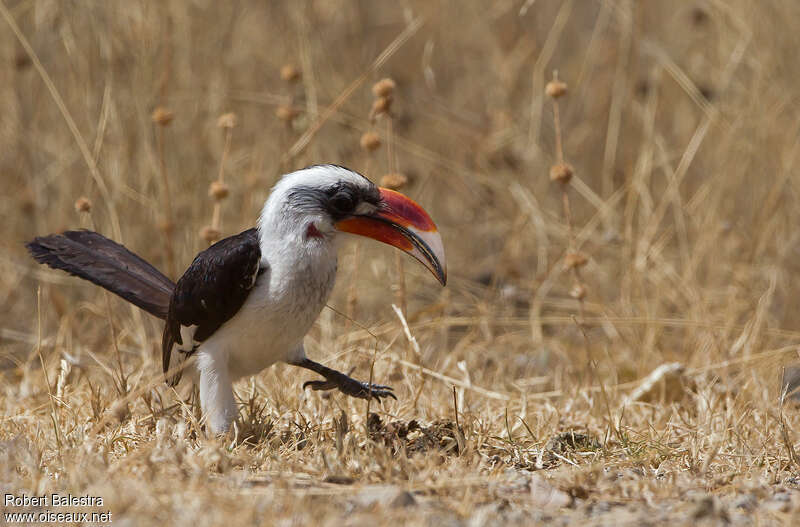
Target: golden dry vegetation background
654,399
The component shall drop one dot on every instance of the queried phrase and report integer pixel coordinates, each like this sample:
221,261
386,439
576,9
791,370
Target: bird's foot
349,386
344,383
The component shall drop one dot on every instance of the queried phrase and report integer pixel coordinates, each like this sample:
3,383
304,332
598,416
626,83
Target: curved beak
404,224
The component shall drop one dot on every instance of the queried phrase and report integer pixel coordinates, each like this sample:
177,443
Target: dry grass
681,123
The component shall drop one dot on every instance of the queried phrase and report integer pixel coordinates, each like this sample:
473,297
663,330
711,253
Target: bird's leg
342,382
216,391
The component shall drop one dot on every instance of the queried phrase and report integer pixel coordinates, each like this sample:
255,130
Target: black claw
344,383
379,387
319,385
353,388
377,392
384,393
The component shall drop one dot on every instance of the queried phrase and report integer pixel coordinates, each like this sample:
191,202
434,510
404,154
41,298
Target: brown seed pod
162,116
290,73
575,260
384,88
556,89
83,204
394,181
26,200
370,141
218,190
22,61
578,292
285,113
561,172
210,234
699,16
381,105
227,120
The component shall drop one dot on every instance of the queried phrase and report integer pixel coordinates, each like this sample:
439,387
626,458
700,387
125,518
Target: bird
247,301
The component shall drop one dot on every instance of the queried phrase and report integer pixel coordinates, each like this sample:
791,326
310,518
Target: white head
310,201
311,206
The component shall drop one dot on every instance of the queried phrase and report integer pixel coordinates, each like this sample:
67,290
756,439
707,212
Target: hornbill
248,300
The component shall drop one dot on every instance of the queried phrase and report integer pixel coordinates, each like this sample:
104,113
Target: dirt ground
616,185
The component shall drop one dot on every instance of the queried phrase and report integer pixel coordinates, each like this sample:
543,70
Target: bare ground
623,364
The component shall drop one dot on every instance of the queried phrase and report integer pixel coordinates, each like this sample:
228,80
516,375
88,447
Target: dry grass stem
162,117
618,340
218,190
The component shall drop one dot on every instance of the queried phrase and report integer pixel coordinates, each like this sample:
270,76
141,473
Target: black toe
319,385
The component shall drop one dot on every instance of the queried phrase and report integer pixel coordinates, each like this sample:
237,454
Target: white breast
279,311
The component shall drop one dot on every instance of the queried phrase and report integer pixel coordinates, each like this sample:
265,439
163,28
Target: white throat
297,236
301,262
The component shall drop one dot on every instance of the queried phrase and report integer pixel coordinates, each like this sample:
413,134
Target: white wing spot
254,277
187,336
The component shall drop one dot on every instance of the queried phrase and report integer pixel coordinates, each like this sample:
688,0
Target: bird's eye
343,203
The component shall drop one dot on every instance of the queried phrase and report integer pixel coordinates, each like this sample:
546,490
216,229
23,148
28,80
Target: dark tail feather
108,264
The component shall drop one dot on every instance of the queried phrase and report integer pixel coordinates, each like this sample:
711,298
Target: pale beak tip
442,277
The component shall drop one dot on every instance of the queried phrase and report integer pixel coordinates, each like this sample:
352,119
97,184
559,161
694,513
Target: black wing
210,292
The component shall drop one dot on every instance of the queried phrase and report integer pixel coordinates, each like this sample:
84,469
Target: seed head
218,190
561,172
210,234
370,141
290,73
83,204
227,120
162,116
578,292
575,260
394,181
556,88
381,105
285,113
699,16
27,200
383,88
165,226
22,61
